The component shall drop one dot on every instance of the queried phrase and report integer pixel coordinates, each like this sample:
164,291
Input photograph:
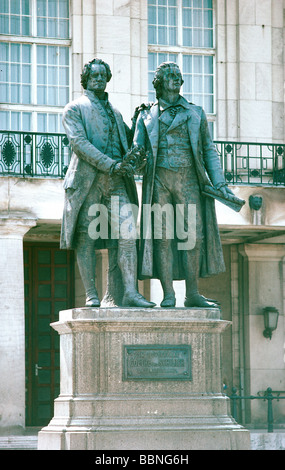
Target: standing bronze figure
181,162
97,172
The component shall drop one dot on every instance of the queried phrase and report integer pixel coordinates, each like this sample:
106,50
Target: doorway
49,288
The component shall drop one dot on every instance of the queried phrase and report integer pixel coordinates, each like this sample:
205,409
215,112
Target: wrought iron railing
265,396
31,154
252,163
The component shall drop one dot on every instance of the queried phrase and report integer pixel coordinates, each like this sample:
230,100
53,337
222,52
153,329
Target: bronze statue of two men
171,144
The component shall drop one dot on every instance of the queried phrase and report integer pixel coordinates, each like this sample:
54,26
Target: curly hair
158,76
87,69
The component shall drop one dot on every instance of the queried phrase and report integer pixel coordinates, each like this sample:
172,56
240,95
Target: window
34,64
182,31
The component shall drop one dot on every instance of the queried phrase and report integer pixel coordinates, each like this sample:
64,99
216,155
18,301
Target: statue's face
97,80
172,80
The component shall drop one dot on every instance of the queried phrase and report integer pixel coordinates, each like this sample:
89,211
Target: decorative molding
262,252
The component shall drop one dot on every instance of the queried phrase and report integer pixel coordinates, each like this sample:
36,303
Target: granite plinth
166,396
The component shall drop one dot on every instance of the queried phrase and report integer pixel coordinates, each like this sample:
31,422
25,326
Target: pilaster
13,227
262,285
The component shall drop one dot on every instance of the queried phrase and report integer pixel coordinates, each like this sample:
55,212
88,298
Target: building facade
231,53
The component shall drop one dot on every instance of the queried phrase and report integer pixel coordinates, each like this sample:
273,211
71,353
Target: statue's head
90,67
166,75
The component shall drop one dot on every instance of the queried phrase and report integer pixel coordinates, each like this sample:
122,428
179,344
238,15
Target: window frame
179,50
35,41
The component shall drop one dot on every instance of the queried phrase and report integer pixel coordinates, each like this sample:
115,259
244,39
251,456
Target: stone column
12,319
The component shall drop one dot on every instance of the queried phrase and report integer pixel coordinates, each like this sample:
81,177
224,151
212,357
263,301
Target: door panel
49,288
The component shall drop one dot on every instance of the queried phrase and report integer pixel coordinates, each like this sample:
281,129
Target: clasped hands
134,162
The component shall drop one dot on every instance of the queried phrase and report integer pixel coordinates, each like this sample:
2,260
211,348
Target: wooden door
49,288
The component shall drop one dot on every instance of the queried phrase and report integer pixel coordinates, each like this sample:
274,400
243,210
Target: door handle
37,368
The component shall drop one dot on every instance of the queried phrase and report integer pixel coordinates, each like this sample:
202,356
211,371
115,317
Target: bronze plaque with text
157,362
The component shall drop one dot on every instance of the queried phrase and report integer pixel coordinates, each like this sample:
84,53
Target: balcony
31,154
43,155
252,163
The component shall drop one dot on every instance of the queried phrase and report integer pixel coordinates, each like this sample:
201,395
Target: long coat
208,169
87,129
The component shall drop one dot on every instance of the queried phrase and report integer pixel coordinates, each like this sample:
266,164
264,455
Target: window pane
162,35
187,18
15,94
4,93
208,3
4,118
208,103
162,16
15,52
199,81
187,37
52,8
42,27
4,73
4,6
53,76
26,54
208,64
197,38
208,18
53,18
42,122
52,96
4,24
25,7
63,96
197,63
26,94
41,95
63,9
15,6
25,26
162,21
41,7
64,76
15,73
15,17
152,15
172,36
42,54
197,19
208,80
42,75
63,56
187,64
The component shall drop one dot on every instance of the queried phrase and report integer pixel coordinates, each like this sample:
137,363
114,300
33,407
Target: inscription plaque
157,362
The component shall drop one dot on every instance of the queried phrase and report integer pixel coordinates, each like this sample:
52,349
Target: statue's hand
122,168
226,191
140,108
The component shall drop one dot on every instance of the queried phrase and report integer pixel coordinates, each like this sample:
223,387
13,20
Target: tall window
182,31
34,64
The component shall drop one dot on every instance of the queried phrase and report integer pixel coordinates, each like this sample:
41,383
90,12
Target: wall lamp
270,315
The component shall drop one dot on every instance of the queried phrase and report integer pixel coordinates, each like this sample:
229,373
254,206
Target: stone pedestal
145,379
